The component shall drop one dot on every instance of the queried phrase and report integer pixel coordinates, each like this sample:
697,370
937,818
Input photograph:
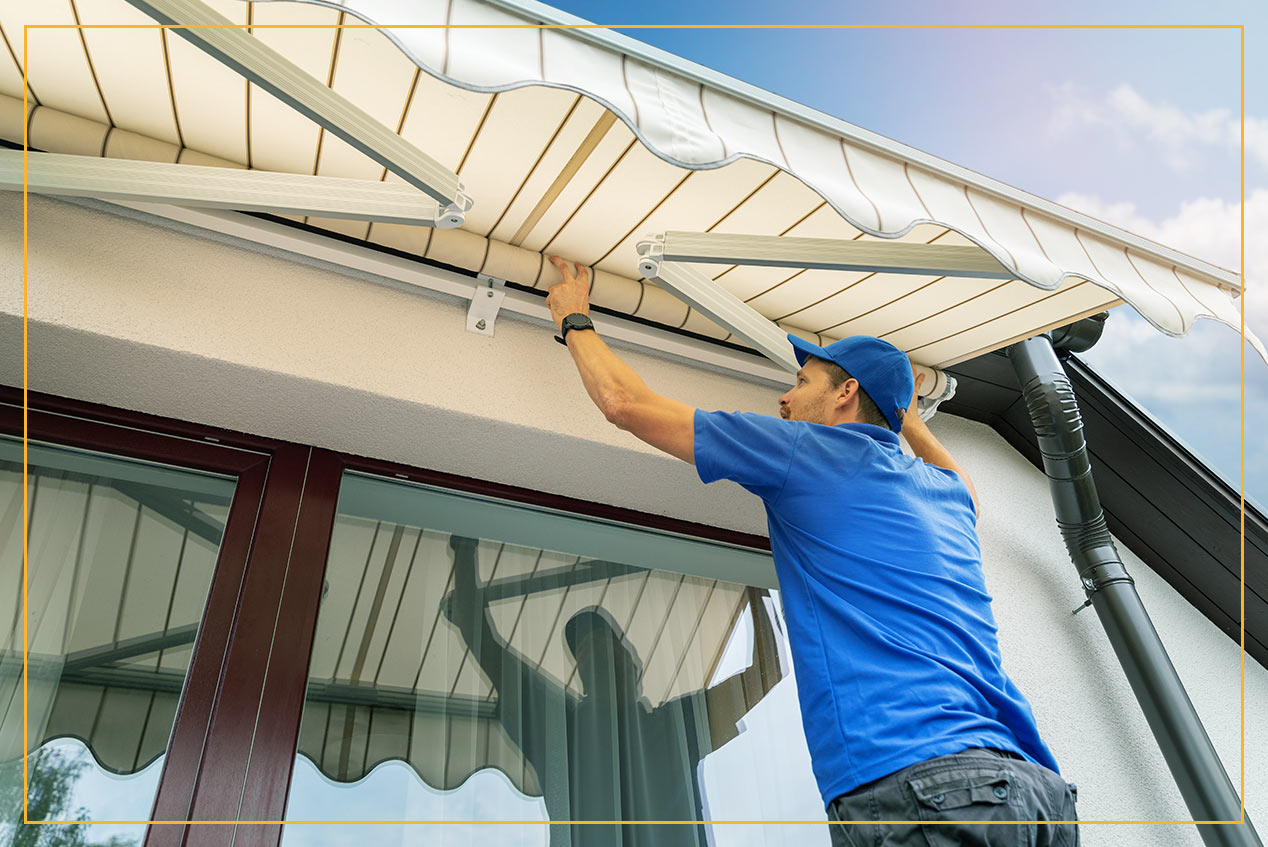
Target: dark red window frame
233,744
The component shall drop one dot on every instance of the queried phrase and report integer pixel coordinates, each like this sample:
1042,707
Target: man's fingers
917,378
571,272
914,406
565,272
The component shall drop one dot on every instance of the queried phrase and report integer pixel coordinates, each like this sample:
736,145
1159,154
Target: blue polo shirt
880,570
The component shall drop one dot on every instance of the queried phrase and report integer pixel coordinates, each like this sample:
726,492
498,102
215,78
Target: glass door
120,557
479,661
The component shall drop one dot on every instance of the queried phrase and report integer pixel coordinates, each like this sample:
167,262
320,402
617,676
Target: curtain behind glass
120,557
591,688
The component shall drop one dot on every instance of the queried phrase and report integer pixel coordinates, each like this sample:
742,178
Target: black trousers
950,800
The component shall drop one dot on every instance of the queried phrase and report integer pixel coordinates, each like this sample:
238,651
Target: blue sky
1138,127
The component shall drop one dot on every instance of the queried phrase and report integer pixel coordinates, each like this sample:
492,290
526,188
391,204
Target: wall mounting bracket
486,301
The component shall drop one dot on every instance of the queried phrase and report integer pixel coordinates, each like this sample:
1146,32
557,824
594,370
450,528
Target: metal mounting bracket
486,301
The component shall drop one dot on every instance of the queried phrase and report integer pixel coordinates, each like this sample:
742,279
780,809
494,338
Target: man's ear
846,391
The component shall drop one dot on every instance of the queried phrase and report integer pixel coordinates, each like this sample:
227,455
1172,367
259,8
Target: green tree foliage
51,778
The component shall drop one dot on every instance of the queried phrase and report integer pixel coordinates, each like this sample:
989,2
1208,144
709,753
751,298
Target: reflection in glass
590,687
120,557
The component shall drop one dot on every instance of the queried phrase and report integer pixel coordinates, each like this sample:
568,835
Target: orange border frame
25,517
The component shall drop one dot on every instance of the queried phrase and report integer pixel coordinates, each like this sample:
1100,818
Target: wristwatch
574,321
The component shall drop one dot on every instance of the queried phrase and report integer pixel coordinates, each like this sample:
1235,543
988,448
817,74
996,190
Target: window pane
120,557
476,660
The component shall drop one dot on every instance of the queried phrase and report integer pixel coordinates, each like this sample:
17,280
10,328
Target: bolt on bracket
486,301
454,215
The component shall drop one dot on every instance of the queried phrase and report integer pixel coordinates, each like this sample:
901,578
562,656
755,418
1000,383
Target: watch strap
565,327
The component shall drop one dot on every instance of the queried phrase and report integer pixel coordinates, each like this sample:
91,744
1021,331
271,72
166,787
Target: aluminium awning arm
220,188
832,254
234,47
721,306
728,311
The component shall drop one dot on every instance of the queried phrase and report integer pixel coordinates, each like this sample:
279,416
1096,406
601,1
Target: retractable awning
585,143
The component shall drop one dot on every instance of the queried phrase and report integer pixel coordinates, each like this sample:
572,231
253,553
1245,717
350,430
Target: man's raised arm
926,447
615,388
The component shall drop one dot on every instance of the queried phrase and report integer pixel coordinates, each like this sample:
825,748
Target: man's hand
570,296
619,393
913,408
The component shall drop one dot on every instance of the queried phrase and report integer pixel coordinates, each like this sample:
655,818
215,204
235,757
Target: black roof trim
1162,502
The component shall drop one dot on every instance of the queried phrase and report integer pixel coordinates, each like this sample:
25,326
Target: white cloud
1257,140
1182,138
1193,385
1207,228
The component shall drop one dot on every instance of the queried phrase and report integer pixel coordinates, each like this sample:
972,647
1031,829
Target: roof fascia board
219,188
830,254
381,267
855,134
234,47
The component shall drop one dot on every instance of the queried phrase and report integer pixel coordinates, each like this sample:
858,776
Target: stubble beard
816,411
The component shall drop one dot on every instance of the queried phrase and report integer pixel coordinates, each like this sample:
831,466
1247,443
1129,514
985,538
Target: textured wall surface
164,322
1066,667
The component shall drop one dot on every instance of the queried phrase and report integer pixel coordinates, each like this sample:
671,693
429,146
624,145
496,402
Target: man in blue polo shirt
907,712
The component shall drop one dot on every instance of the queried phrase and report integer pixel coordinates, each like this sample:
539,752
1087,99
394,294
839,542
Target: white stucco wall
1065,666
144,318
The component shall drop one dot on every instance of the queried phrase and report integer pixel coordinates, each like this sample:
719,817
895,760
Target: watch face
577,322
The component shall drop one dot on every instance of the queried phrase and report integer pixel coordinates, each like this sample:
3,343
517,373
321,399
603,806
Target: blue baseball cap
882,370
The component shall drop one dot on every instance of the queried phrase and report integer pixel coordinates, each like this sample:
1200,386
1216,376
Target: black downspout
1197,770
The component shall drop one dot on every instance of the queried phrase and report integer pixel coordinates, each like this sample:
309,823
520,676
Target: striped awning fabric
583,143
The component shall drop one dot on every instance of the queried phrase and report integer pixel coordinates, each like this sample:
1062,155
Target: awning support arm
1195,766
833,254
220,188
234,47
742,320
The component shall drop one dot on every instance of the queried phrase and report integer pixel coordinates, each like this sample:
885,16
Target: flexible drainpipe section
1197,770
